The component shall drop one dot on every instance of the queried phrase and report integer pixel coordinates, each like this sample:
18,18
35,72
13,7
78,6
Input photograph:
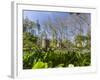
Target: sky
43,16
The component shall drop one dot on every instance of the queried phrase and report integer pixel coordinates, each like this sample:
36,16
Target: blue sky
42,17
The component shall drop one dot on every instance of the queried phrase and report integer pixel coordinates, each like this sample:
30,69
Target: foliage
57,50
28,24
56,58
29,41
39,65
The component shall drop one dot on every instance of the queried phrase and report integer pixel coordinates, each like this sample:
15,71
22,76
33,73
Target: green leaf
40,65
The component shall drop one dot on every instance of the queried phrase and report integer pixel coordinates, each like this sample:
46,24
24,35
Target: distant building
35,30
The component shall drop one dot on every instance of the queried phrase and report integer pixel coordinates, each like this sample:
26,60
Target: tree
51,30
28,24
29,41
82,20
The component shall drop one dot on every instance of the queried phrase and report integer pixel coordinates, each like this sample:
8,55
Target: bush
39,65
51,58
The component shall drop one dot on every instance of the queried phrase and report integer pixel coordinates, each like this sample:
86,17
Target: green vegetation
62,43
35,57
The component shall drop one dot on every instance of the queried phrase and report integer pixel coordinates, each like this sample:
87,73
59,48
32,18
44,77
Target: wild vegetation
60,43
